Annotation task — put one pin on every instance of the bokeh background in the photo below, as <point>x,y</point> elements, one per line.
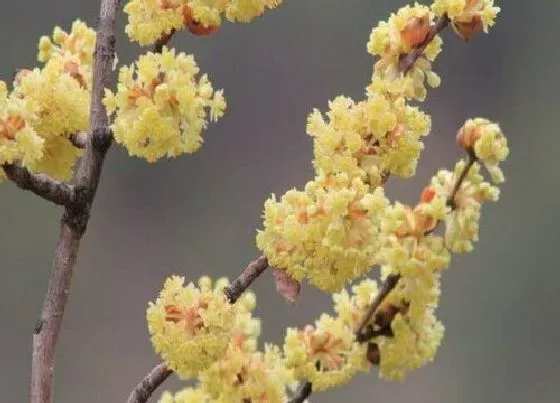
<point>198,214</point>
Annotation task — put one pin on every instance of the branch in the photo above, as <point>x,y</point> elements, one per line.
<point>241,283</point>
<point>161,42</point>
<point>75,217</point>
<point>364,332</point>
<point>406,61</point>
<point>462,176</point>
<point>41,184</point>
<point>457,186</point>
<point>388,285</point>
<point>144,390</point>
<point>303,392</point>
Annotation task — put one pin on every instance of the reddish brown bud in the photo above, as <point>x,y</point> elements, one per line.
<point>200,30</point>
<point>469,29</point>
<point>467,135</point>
<point>196,27</point>
<point>428,194</point>
<point>415,31</point>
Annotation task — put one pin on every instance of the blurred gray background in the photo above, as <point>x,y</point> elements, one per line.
<point>198,214</point>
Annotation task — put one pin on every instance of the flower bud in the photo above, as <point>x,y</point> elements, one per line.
<point>469,29</point>
<point>415,31</point>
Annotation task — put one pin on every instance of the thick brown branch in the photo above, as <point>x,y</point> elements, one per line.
<point>75,217</point>
<point>144,390</point>
<point>42,185</point>
<point>303,392</point>
<point>407,60</point>
<point>241,283</point>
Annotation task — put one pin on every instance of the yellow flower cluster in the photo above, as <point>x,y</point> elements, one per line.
<point>469,17</point>
<point>161,107</point>
<point>390,40</point>
<point>199,334</point>
<point>327,233</point>
<point>60,91</point>
<point>486,140</point>
<point>248,375</point>
<point>49,104</point>
<point>327,354</point>
<point>190,327</point>
<point>370,139</point>
<point>412,251</point>
<point>150,20</point>
<point>461,224</point>
<point>341,224</point>
<point>363,142</point>
<point>351,308</point>
<point>413,343</point>
<point>18,140</point>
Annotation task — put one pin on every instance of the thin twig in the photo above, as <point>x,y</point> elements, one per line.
<point>388,285</point>
<point>163,41</point>
<point>456,187</point>
<point>41,184</point>
<point>75,217</point>
<point>370,332</point>
<point>241,283</point>
<point>406,61</point>
<point>303,392</point>
<point>144,390</point>
<point>462,176</point>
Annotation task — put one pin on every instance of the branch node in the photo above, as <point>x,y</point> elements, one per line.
<point>38,326</point>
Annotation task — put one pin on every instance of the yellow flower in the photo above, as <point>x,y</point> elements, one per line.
<point>401,34</point>
<point>461,225</point>
<point>18,140</point>
<point>149,20</point>
<point>160,106</point>
<point>370,139</point>
<point>59,158</point>
<point>488,143</point>
<point>245,375</point>
<point>412,333</point>
<point>410,346</point>
<point>187,395</point>
<point>72,52</point>
<point>351,308</point>
<point>409,248</point>
<point>59,100</point>
<point>468,17</point>
<point>190,328</point>
<point>326,355</point>
<point>327,233</point>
